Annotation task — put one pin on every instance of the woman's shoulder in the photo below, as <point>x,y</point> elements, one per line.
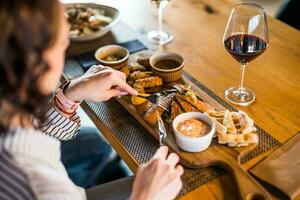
<point>32,160</point>
<point>14,183</point>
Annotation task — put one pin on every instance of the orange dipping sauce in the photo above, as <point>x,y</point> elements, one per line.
<point>193,128</point>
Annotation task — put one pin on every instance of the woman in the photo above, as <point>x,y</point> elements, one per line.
<point>33,40</point>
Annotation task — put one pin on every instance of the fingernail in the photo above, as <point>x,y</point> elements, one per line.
<point>123,93</point>
<point>136,93</point>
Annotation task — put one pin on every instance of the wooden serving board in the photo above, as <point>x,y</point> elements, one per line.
<point>217,154</point>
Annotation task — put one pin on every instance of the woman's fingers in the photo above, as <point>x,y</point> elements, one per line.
<point>161,153</point>
<point>160,177</point>
<point>179,170</point>
<point>114,93</point>
<point>123,86</point>
<point>172,159</point>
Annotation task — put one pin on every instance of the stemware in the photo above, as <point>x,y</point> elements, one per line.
<point>159,36</point>
<point>246,37</point>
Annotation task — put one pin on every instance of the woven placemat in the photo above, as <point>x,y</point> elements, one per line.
<point>138,142</point>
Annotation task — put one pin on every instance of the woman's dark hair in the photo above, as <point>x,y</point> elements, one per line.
<point>27,29</point>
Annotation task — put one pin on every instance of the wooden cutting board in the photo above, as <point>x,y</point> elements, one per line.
<point>218,155</point>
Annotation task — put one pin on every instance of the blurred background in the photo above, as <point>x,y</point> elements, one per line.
<point>284,10</point>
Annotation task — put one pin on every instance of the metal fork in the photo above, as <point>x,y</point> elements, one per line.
<point>154,96</point>
<point>161,130</point>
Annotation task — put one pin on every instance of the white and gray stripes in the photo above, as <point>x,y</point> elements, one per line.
<point>60,126</point>
<point>29,141</point>
<point>14,184</point>
<point>30,166</point>
<point>36,157</point>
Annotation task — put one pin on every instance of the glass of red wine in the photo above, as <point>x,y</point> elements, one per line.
<point>246,37</point>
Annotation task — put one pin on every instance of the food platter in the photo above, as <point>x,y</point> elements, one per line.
<point>89,21</point>
<point>235,129</point>
<point>218,154</point>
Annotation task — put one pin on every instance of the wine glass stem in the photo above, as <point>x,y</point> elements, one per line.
<point>242,78</point>
<point>160,20</point>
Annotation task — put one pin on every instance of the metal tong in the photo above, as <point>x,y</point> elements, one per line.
<point>161,130</point>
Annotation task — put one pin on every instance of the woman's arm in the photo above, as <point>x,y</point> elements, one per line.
<point>60,125</point>
<point>97,84</point>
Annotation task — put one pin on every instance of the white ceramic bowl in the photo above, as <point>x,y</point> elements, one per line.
<point>110,11</point>
<point>193,144</point>
<point>108,50</point>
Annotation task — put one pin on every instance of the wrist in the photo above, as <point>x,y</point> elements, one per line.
<point>65,104</point>
<point>71,93</point>
<point>138,195</point>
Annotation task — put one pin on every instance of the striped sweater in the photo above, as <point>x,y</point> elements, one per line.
<point>30,166</point>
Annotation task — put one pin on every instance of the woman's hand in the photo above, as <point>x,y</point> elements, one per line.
<point>98,84</point>
<point>159,178</point>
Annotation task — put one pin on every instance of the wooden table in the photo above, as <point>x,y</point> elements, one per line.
<point>198,26</point>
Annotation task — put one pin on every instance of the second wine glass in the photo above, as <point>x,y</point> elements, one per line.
<point>246,37</point>
<point>159,36</point>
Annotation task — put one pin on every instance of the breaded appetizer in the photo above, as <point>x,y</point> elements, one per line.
<point>125,70</point>
<point>175,109</point>
<point>235,129</point>
<point>139,75</point>
<point>150,82</point>
<point>137,67</point>
<point>145,62</point>
<point>131,83</point>
<point>139,88</point>
<point>198,104</point>
<point>185,105</point>
<point>151,116</point>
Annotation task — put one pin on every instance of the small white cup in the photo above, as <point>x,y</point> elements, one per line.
<point>193,144</point>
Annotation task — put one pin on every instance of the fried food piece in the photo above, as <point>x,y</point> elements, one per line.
<point>131,83</point>
<point>151,116</point>
<point>139,75</point>
<point>137,67</point>
<point>199,105</point>
<point>216,114</point>
<point>139,88</point>
<point>175,109</point>
<point>239,140</point>
<point>228,122</point>
<point>150,82</point>
<point>220,128</point>
<point>142,108</point>
<point>125,70</point>
<point>246,123</point>
<point>236,129</point>
<point>145,62</point>
<point>185,105</point>
<point>135,100</point>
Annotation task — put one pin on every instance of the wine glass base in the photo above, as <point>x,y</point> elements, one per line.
<point>243,97</point>
<point>161,38</point>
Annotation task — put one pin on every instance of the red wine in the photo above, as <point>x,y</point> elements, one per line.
<point>244,48</point>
